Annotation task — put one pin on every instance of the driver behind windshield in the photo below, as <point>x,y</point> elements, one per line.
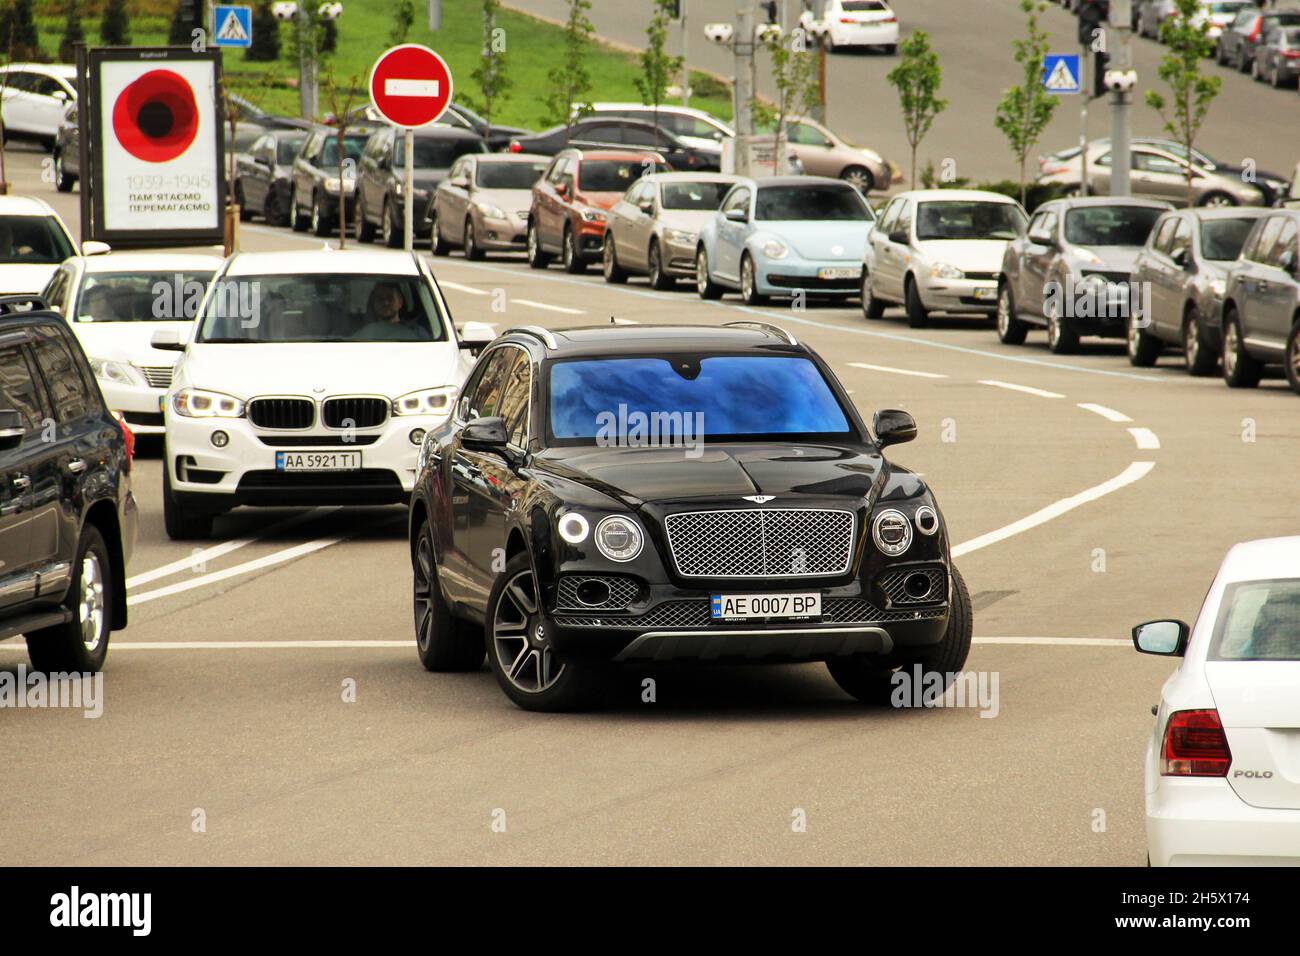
<point>387,316</point>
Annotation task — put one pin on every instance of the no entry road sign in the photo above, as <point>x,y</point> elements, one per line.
<point>410,85</point>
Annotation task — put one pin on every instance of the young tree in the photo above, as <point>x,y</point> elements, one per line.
<point>403,20</point>
<point>570,80</point>
<point>341,103</point>
<point>917,79</point>
<point>18,31</point>
<point>115,27</point>
<point>657,67</point>
<point>794,73</point>
<point>72,33</point>
<point>490,74</point>
<point>1025,109</point>
<point>1191,92</point>
<point>266,35</point>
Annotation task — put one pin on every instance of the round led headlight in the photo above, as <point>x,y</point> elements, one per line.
<point>619,538</point>
<point>574,528</point>
<point>892,532</point>
<point>926,519</point>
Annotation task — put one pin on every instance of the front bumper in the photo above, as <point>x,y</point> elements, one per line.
<point>503,235</point>
<point>678,258</point>
<point>1202,822</point>
<point>783,277</point>
<point>959,295</point>
<point>244,471</point>
<point>591,240</point>
<point>140,405</point>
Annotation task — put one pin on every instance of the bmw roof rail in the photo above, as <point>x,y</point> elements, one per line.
<point>766,327</point>
<point>537,332</point>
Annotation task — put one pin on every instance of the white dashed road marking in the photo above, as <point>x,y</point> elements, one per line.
<point>1104,412</point>
<point>443,283</point>
<point>896,371</point>
<point>1144,437</point>
<point>548,308</point>
<point>1027,389</point>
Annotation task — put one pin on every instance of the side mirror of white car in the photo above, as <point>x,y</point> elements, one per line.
<point>93,247</point>
<point>475,335</point>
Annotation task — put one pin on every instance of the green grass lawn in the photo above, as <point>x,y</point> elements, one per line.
<point>362,34</point>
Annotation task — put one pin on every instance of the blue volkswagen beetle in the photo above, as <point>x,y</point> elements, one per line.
<point>783,236</point>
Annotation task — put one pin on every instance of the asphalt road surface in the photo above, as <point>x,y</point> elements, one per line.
<point>973,38</point>
<point>1084,497</point>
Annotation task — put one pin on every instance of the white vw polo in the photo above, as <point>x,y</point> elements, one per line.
<point>311,378</point>
<point>1223,764</point>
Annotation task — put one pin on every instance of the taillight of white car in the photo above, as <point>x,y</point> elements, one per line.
<point>1195,745</point>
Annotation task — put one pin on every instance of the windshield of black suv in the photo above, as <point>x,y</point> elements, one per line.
<point>612,175</point>
<point>617,401</point>
<point>959,219</point>
<point>32,239</point>
<point>802,203</point>
<point>140,296</point>
<point>321,308</point>
<point>508,175</point>
<point>1222,239</point>
<point>353,146</point>
<point>1110,225</point>
<point>288,147</point>
<point>706,196</point>
<point>1259,621</point>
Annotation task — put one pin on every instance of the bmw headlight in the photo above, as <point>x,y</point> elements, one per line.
<point>892,532</point>
<point>619,538</point>
<point>123,373</point>
<point>680,237</point>
<point>427,401</point>
<point>491,211</point>
<point>941,270</point>
<point>593,215</point>
<point>775,249</point>
<point>200,403</point>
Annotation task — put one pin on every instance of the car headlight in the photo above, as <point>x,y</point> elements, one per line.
<point>775,249</point>
<point>926,520</point>
<point>680,237</point>
<point>427,401</point>
<point>574,527</point>
<point>1219,286</point>
<point>122,373</point>
<point>332,185</point>
<point>619,538</point>
<point>200,403</point>
<point>873,156</point>
<point>941,270</point>
<point>892,532</point>
<point>491,211</point>
<point>1083,255</point>
<point>593,215</point>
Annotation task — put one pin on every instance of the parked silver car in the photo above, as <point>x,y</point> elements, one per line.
<point>938,250</point>
<point>1156,174</point>
<point>1070,270</point>
<point>1261,307</point>
<point>1184,265</point>
<point>483,204</point>
<point>1277,58</point>
<point>655,228</point>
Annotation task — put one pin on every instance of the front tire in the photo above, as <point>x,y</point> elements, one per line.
<point>297,222</point>
<point>519,650</point>
<point>704,284</point>
<point>659,280</point>
<point>365,229</point>
<point>440,246</point>
<point>81,644</point>
<point>860,178</point>
<point>392,237</point>
<point>1143,347</point>
<point>1293,358</point>
<point>62,181</point>
<point>749,282</point>
<point>1240,369</point>
<point>917,316</point>
<point>613,272</point>
<point>1011,330</point>
<point>865,679</point>
<point>872,307</point>
<point>537,258</point>
<point>320,224</point>
<point>1200,355</point>
<point>442,642</point>
<point>570,258</point>
<point>473,252</point>
<point>1062,339</point>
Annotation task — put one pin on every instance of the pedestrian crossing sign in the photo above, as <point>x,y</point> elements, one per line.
<point>1062,72</point>
<point>233,26</point>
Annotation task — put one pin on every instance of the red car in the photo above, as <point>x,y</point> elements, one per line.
<point>569,203</point>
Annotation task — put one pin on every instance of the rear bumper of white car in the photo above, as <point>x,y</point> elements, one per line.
<point>1202,822</point>
<point>865,34</point>
<point>244,471</point>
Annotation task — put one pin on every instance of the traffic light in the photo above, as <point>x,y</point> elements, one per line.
<point>1093,16</point>
<point>1100,59</point>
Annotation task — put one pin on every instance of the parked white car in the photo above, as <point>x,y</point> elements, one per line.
<point>1223,762</point>
<point>33,241</point>
<point>939,250</point>
<point>35,96</point>
<point>311,379</point>
<point>114,305</point>
<point>856,23</point>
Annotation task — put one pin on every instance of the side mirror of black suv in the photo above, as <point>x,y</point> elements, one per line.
<point>893,427</point>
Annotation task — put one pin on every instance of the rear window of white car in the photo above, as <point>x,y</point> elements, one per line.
<point>1258,621</point>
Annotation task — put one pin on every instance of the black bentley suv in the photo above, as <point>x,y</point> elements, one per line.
<point>646,494</point>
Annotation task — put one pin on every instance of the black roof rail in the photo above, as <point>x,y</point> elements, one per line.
<point>764,326</point>
<point>537,332</point>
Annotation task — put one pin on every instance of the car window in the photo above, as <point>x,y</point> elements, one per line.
<point>962,219</point>
<point>64,377</point>
<point>515,396</point>
<point>684,125</point>
<point>141,296</point>
<point>1258,621</point>
<point>1110,225</point>
<point>601,133</point>
<point>810,203</point>
<point>1283,254</point>
<point>19,80</point>
<point>904,222</point>
<point>886,222</point>
<point>1263,244</point>
<point>485,399</point>
<point>507,175</point>
<point>1155,163</point>
<point>56,293</point>
<point>636,136</point>
<point>611,175</point>
<point>437,152</point>
<point>47,86</point>
<point>701,196</point>
<point>739,200</point>
<point>1182,239</point>
<point>32,239</point>
<point>328,154</point>
<point>1162,234</point>
<point>805,135</point>
<point>287,148</point>
<point>18,388</point>
<point>1222,239</point>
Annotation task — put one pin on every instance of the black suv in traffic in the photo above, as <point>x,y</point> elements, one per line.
<point>67,515</point>
<point>649,494</point>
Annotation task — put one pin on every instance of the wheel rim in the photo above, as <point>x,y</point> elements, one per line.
<point>654,265</point>
<point>469,239</point>
<point>315,214</point>
<point>423,596</point>
<point>1230,349</point>
<point>609,259</point>
<point>1132,336</point>
<point>702,272</point>
<point>1293,346</point>
<point>1004,313</point>
<point>388,225</point>
<point>532,242</point>
<point>1053,328</point>
<point>519,637</point>
<point>747,280</point>
<point>1216,201</point>
<point>293,210</point>
<point>91,610</point>
<point>1191,340</point>
<point>569,251</point>
<point>360,223</point>
<point>859,180</point>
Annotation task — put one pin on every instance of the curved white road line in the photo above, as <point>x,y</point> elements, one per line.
<point>1134,472</point>
<point>1108,413</point>
<point>1145,438</point>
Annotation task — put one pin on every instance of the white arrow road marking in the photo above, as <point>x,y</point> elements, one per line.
<point>896,371</point>
<point>397,87</point>
<point>1134,472</point>
<point>1104,412</point>
<point>1144,437</point>
<point>1027,389</point>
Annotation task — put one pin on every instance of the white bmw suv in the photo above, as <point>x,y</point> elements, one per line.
<point>311,378</point>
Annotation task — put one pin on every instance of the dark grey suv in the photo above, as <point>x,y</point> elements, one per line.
<point>1261,307</point>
